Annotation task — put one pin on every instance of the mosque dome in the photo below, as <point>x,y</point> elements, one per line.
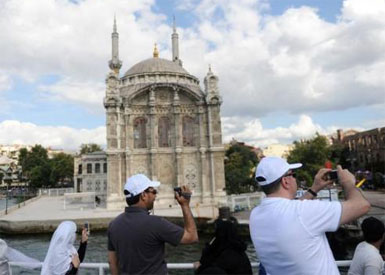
<point>156,65</point>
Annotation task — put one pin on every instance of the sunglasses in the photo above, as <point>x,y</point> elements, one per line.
<point>153,191</point>
<point>293,174</point>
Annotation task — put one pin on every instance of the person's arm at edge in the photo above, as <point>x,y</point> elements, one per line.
<point>190,234</point>
<point>113,262</point>
<point>355,204</point>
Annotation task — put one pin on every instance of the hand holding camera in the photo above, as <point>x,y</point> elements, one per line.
<point>182,194</point>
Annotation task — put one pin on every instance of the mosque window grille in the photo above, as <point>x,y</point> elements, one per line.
<point>188,131</point>
<point>140,132</point>
<point>164,132</point>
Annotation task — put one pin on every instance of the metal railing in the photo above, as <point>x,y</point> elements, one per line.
<point>102,266</point>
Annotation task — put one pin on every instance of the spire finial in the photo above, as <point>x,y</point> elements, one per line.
<point>210,69</point>
<point>115,28</point>
<point>156,52</point>
<point>173,24</point>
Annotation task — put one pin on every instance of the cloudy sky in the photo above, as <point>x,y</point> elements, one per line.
<point>287,68</point>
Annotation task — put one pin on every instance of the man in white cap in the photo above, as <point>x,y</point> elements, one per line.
<point>136,239</point>
<point>289,235</point>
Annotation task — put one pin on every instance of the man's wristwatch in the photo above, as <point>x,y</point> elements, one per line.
<point>312,192</point>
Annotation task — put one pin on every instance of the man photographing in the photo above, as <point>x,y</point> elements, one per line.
<point>289,235</point>
<point>136,239</point>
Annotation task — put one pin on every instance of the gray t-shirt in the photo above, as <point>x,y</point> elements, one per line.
<point>138,240</point>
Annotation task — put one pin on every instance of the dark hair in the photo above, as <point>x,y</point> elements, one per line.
<point>133,200</point>
<point>226,234</point>
<point>373,229</point>
<point>271,187</point>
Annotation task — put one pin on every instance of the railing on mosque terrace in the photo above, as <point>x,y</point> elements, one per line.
<point>102,267</point>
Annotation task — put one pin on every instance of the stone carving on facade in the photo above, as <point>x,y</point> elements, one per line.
<point>191,177</point>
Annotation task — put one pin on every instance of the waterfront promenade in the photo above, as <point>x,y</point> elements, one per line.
<point>45,213</point>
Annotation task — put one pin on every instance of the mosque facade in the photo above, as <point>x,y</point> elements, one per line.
<point>162,124</point>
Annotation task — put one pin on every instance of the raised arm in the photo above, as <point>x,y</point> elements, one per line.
<point>355,204</point>
<point>190,234</point>
<point>318,184</point>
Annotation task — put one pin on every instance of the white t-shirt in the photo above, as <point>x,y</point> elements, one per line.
<point>366,260</point>
<point>289,235</point>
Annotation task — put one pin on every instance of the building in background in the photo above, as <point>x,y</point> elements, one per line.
<point>161,123</point>
<point>278,150</point>
<point>366,150</point>
<point>90,173</point>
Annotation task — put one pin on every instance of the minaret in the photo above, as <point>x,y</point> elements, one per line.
<point>175,45</point>
<point>115,64</point>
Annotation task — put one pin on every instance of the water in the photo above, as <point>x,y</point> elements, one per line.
<point>36,246</point>
<point>10,203</point>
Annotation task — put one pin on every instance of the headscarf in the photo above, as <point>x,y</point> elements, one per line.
<point>61,249</point>
<point>8,254</point>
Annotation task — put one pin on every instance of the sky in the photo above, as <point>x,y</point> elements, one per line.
<point>287,68</point>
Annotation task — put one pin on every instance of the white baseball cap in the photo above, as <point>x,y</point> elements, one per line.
<point>270,169</point>
<point>136,184</point>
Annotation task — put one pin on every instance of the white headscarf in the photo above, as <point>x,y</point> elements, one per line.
<point>61,249</point>
<point>8,254</point>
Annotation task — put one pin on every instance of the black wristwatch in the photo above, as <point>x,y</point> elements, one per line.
<point>312,192</point>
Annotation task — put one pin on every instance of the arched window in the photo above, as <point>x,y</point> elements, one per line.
<point>164,132</point>
<point>140,135</point>
<point>188,131</point>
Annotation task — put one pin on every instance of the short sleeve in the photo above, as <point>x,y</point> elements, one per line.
<point>320,216</point>
<point>168,232</point>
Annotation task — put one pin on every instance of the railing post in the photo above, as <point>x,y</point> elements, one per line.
<point>101,270</point>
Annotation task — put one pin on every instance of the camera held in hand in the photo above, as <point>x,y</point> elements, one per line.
<point>332,175</point>
<point>180,193</point>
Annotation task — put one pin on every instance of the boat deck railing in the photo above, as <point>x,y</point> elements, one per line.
<point>101,267</point>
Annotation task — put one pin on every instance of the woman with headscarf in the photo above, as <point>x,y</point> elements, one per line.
<point>225,254</point>
<point>8,254</point>
<point>62,257</point>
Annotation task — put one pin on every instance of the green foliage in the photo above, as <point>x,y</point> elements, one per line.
<point>312,154</point>
<point>240,163</point>
<point>43,172</point>
<point>62,168</point>
<point>89,148</point>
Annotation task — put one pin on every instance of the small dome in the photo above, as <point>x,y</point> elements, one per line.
<point>156,65</point>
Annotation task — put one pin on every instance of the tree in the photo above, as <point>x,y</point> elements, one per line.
<point>89,148</point>
<point>240,163</point>
<point>35,165</point>
<point>62,168</point>
<point>312,154</point>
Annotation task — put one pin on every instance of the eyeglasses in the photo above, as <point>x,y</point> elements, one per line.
<point>292,174</point>
<point>153,191</point>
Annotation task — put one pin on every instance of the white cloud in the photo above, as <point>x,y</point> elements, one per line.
<point>88,94</point>
<point>16,132</point>
<point>252,131</point>
<point>292,63</point>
